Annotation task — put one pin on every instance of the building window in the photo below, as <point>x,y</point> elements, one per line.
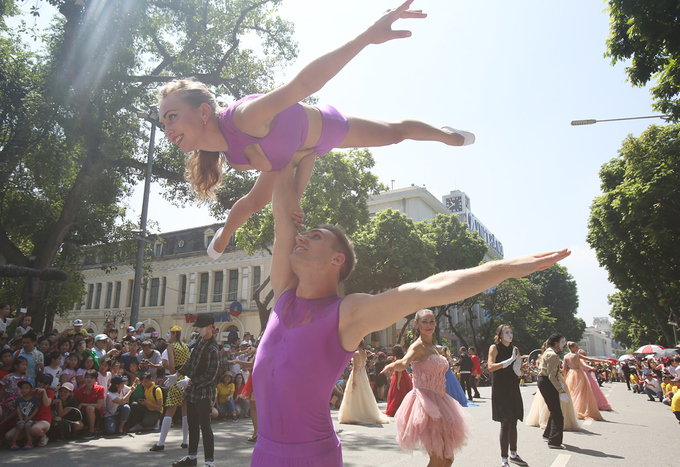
<point>90,294</point>
<point>98,299</point>
<point>217,287</point>
<point>203,293</point>
<point>109,292</point>
<point>155,285</point>
<point>129,300</point>
<point>256,278</point>
<point>233,285</point>
<point>143,297</point>
<point>159,249</point>
<point>208,235</point>
<point>183,294</point>
<point>165,284</point>
<point>116,301</point>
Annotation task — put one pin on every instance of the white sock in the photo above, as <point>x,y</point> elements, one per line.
<point>469,137</point>
<point>504,459</point>
<point>185,430</point>
<point>192,457</point>
<point>165,428</point>
<point>513,453</point>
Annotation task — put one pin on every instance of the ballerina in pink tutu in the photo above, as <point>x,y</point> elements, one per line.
<point>602,401</point>
<point>428,418</point>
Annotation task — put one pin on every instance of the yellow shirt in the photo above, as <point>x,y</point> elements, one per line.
<point>223,392</point>
<point>158,399</point>
<point>675,402</point>
<point>633,379</point>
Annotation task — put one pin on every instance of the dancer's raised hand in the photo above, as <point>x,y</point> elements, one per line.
<point>381,31</point>
<point>525,265</point>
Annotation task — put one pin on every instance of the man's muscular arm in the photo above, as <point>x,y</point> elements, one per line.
<point>284,203</point>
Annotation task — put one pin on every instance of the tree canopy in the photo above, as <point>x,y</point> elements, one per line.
<point>648,33</point>
<point>71,145</point>
<point>634,227</point>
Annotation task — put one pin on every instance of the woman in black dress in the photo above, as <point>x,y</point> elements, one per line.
<point>506,401</point>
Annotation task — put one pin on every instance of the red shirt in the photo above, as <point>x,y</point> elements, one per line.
<point>96,394</point>
<point>44,411</point>
<point>476,369</point>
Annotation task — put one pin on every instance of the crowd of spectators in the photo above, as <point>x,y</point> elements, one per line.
<point>65,385</point>
<point>656,378</point>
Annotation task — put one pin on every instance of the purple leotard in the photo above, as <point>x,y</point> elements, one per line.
<point>295,426</point>
<point>287,134</point>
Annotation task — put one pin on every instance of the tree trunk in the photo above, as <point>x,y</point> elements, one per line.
<point>262,305</point>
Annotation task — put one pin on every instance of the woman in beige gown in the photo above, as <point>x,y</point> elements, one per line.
<point>358,404</point>
<point>539,413</point>
<point>585,403</point>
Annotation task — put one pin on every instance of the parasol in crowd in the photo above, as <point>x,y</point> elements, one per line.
<point>647,349</point>
<point>667,352</point>
<point>623,358</point>
<point>612,361</point>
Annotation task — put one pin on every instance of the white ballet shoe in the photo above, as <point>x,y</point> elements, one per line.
<point>468,137</point>
<point>211,248</point>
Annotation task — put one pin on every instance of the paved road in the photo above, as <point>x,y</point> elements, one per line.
<point>636,433</point>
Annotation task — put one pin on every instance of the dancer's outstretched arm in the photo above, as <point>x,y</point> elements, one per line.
<point>364,313</point>
<point>254,117</point>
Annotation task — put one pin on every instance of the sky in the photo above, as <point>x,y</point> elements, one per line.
<point>515,74</point>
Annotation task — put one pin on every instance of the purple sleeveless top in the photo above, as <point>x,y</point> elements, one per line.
<point>287,134</point>
<point>299,361</point>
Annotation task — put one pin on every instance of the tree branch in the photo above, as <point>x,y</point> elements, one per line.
<point>159,172</point>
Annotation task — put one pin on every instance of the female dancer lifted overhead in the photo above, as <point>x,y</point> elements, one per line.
<point>266,132</point>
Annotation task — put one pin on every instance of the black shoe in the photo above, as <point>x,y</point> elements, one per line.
<point>553,446</point>
<point>517,460</point>
<point>184,461</point>
<point>156,447</point>
<point>184,446</point>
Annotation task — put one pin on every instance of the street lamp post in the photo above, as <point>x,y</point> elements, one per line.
<point>592,121</point>
<point>152,117</point>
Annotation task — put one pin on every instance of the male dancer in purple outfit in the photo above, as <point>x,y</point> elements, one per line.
<point>312,327</point>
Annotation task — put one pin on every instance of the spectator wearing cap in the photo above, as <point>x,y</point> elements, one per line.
<point>151,358</point>
<point>117,407</point>
<point>90,399</point>
<point>130,335</point>
<point>78,328</point>
<point>146,412</point>
<point>99,349</point>
<point>26,406</point>
<point>67,418</point>
<point>153,337</point>
<point>201,372</point>
<point>34,357</point>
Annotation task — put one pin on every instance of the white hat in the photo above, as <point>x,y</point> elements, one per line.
<point>100,337</point>
<point>77,322</point>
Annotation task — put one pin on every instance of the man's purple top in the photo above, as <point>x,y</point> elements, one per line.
<point>298,362</point>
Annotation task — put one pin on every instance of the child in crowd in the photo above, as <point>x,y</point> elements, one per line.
<point>68,373</point>
<point>138,392</point>
<point>24,326</point>
<point>5,362</point>
<point>9,387</point>
<point>104,375</point>
<point>26,407</point>
<point>53,369</point>
<point>88,364</point>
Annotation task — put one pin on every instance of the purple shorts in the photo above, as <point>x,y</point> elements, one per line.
<point>323,453</point>
<point>334,128</point>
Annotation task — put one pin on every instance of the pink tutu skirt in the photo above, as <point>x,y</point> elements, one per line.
<point>436,424</point>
